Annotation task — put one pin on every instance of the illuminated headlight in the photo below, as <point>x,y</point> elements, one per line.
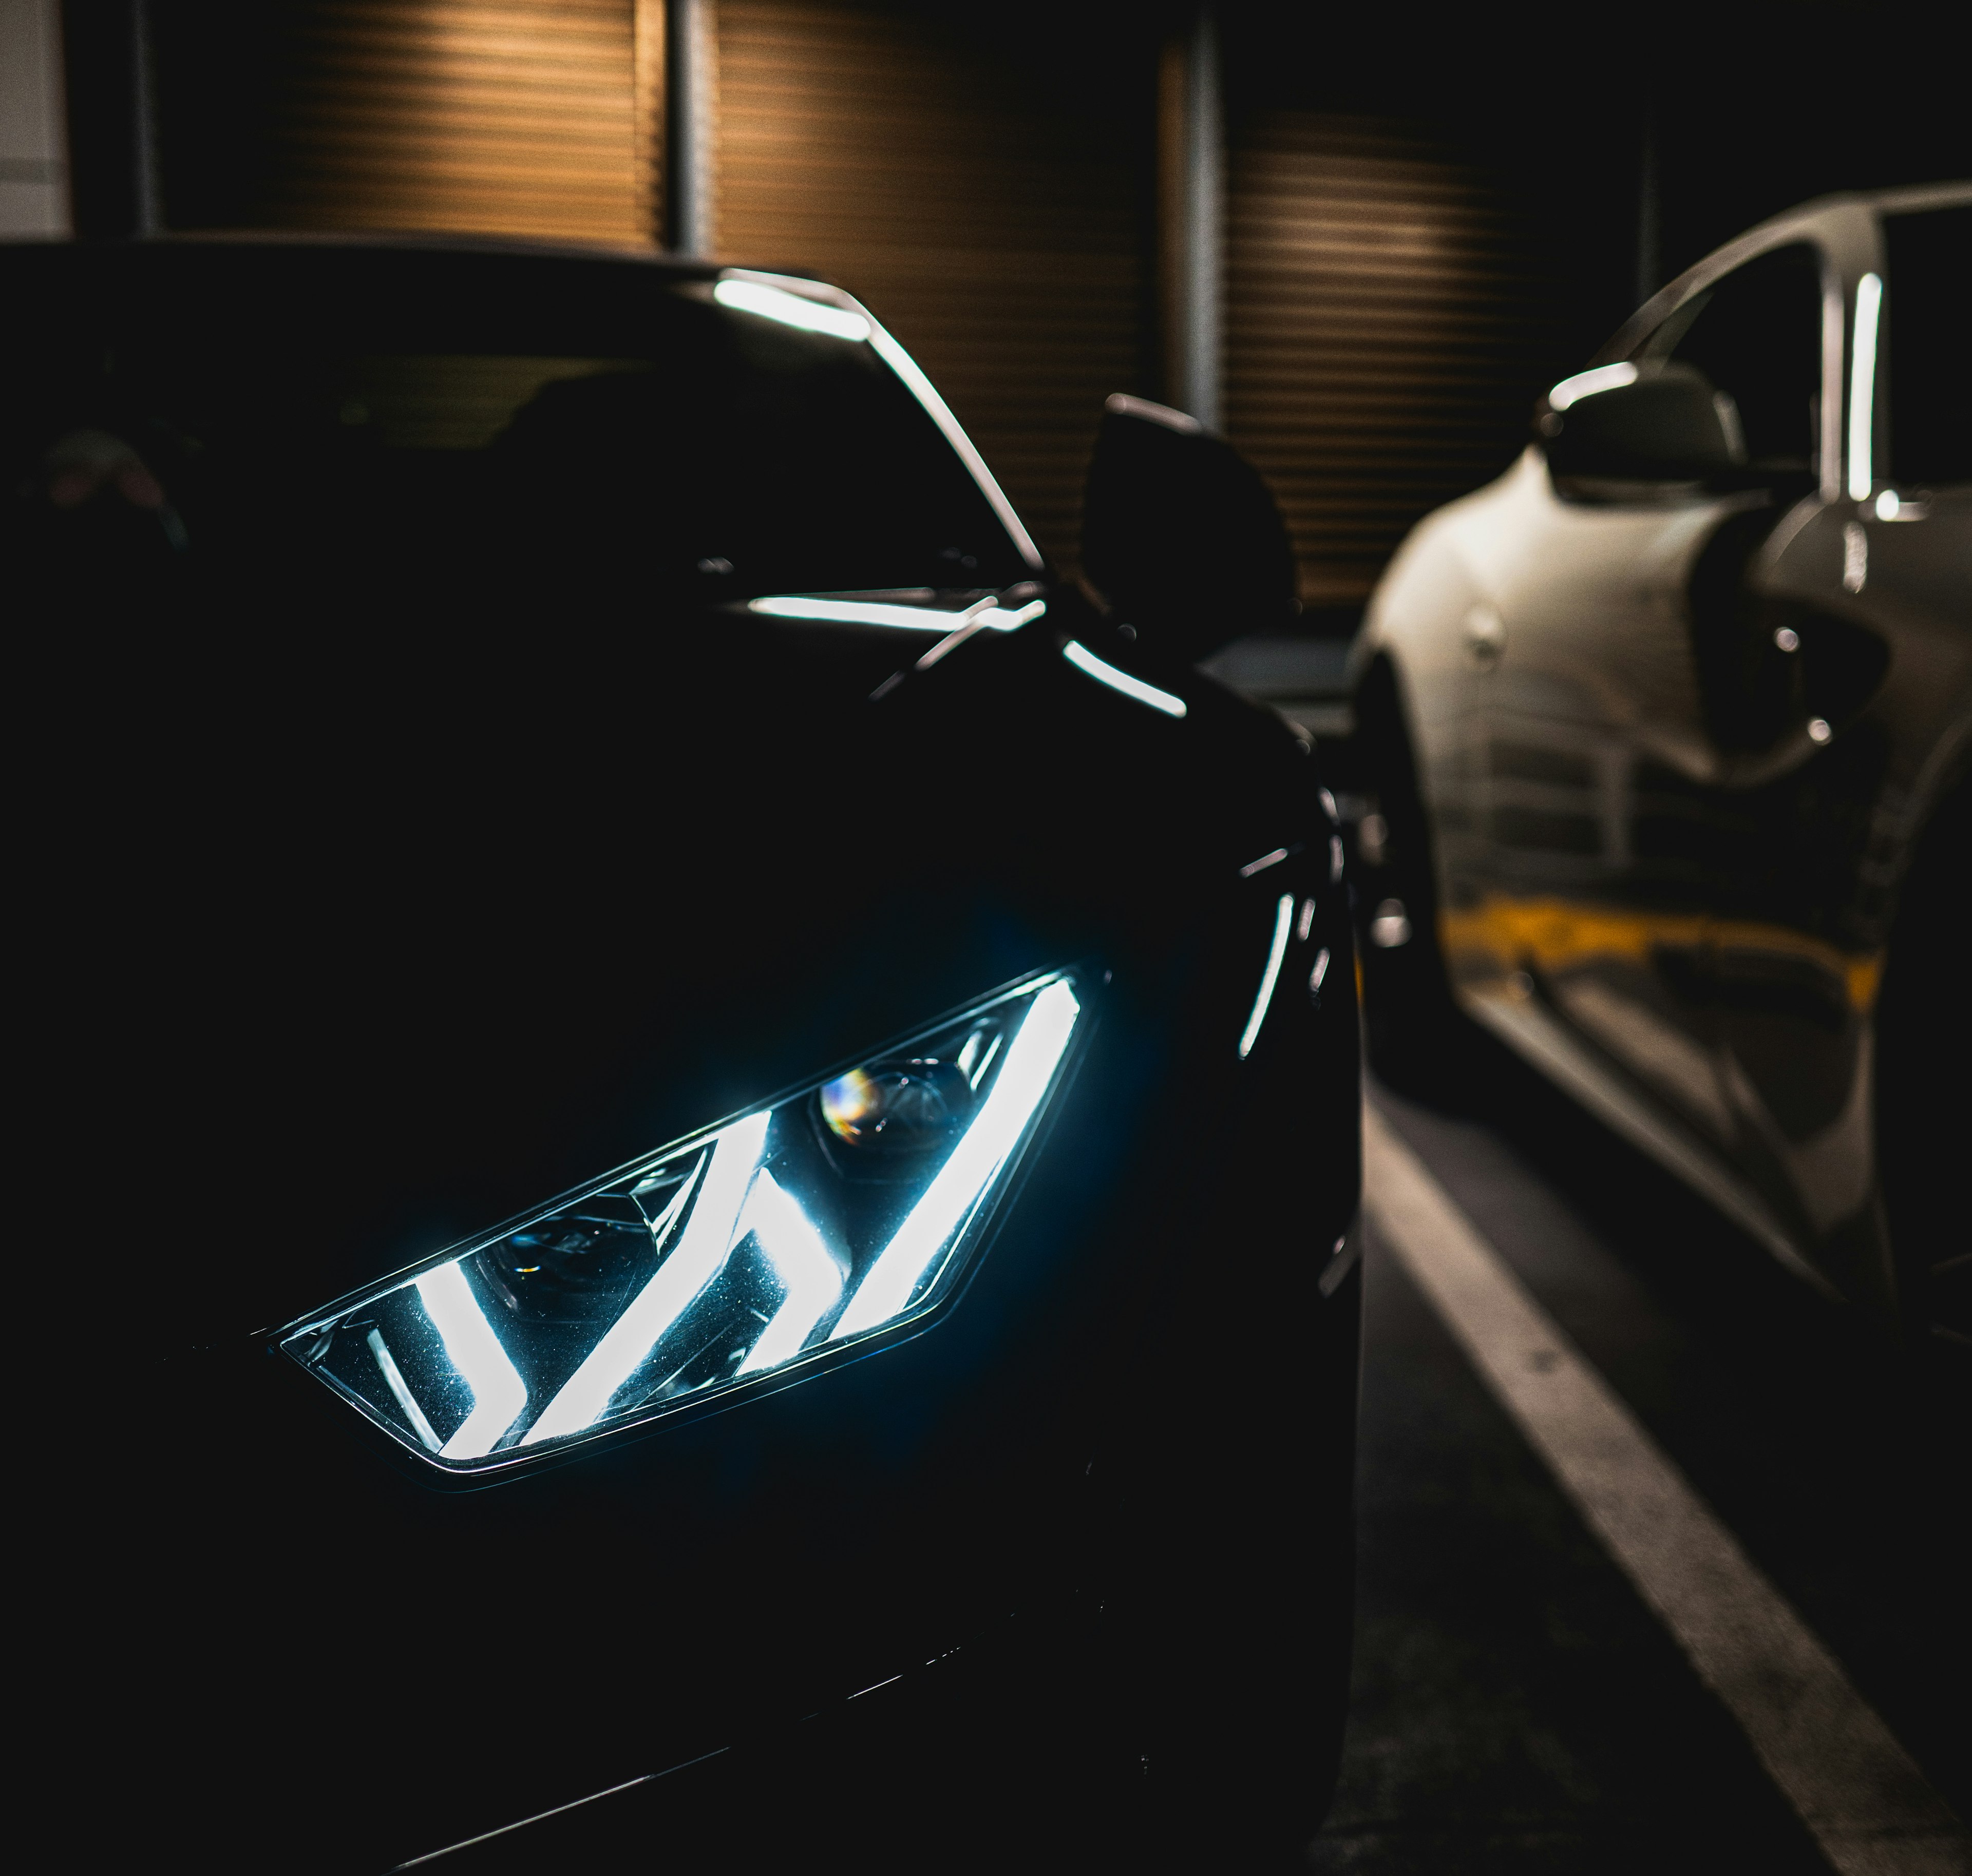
<point>742,1257</point>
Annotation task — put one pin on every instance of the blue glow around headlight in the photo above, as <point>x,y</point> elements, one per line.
<point>785,1237</point>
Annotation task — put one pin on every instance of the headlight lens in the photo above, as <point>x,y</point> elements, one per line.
<point>761,1248</point>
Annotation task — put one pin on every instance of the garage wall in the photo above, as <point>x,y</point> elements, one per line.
<point>34,167</point>
<point>999,231</point>
<point>985,179</point>
<point>1382,299</point>
<point>995,210</point>
<point>514,119</point>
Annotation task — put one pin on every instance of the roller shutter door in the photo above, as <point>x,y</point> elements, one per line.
<point>994,214</point>
<point>1381,300</point>
<point>506,117</point>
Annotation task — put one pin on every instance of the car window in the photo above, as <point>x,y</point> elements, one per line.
<point>1756,335</point>
<point>410,430</point>
<point>1927,311</point>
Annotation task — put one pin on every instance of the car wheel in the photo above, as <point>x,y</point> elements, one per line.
<point>1417,1036</point>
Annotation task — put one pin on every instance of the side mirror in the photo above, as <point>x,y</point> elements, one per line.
<point>1648,423</point>
<point>1180,535</point>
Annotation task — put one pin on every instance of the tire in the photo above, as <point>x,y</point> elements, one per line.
<point>1418,1039</point>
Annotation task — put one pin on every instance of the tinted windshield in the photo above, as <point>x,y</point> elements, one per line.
<point>284,427</point>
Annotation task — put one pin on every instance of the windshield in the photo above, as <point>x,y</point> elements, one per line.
<point>293,428</point>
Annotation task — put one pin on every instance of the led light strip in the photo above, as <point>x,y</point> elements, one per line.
<point>499,1394</point>
<point>1031,1059</point>
<point>812,1278</point>
<point>585,1395</point>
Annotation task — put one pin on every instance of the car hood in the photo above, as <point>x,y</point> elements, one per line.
<point>357,947</point>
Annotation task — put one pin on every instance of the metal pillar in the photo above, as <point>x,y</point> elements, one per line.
<point>1191,184</point>
<point>114,183</point>
<point>691,98</point>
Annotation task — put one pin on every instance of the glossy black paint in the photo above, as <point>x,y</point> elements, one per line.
<point>368,928</point>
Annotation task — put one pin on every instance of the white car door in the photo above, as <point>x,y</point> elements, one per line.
<point>1607,728</point>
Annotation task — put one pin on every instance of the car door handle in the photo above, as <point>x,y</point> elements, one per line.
<point>1485,636</point>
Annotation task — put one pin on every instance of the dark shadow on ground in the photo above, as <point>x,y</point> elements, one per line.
<point>1515,1706</point>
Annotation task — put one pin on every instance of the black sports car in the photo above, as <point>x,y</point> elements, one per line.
<point>727,1113</point>
<point>1665,737</point>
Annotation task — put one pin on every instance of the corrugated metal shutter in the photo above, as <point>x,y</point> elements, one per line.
<point>528,117</point>
<point>1000,235</point>
<point>1381,300</point>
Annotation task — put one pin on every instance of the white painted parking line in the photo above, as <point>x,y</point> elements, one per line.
<point>1854,1787</point>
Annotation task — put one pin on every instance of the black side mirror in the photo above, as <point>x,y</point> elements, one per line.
<point>1180,535</point>
<point>1660,423</point>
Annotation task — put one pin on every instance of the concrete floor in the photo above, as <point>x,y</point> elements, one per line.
<point>1516,1705</point>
